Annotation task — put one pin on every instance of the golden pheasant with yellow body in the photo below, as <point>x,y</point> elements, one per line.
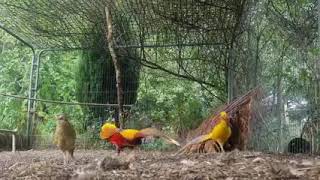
<point>220,133</point>
<point>130,137</point>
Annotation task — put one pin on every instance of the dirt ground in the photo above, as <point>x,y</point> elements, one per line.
<point>104,164</point>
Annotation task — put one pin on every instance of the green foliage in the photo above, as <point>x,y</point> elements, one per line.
<point>15,61</point>
<point>169,102</point>
<point>157,144</point>
<point>276,46</point>
<point>96,78</point>
<point>57,82</point>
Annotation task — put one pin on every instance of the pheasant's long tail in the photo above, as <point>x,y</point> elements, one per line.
<point>156,133</point>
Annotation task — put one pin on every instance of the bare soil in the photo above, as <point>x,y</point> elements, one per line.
<point>105,164</point>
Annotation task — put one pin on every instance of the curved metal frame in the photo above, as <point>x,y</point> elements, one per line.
<point>33,82</point>
<point>33,79</point>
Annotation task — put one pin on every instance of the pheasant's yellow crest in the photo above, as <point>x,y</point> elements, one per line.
<point>224,115</point>
<point>107,130</point>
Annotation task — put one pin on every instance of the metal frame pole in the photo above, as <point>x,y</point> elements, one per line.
<point>33,87</point>
<point>34,59</point>
<point>30,103</point>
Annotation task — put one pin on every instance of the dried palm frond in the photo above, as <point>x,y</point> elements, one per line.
<point>240,114</point>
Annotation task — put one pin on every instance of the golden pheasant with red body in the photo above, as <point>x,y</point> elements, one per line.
<point>130,137</point>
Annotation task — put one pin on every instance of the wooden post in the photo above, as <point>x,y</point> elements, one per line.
<point>117,67</point>
<point>13,133</point>
<point>13,142</point>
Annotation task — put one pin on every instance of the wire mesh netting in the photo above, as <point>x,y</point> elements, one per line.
<point>191,53</point>
<point>147,23</point>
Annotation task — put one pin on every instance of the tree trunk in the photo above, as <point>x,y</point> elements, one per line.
<point>230,76</point>
<point>117,67</point>
<point>317,83</point>
<point>279,88</point>
<point>317,69</point>
<point>279,105</point>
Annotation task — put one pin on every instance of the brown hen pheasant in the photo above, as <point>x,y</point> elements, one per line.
<point>65,137</point>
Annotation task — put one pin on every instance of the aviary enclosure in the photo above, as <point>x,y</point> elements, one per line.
<point>181,62</point>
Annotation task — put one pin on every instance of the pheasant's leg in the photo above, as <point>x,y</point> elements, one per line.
<point>221,146</point>
<point>64,158</point>
<point>118,150</point>
<point>71,160</point>
<point>69,157</point>
<point>137,149</point>
<point>71,154</point>
<point>216,146</point>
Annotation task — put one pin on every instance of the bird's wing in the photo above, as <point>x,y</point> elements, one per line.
<point>70,131</point>
<point>129,134</point>
<point>156,133</point>
<point>119,140</point>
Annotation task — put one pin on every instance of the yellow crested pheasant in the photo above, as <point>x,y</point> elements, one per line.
<point>130,137</point>
<point>220,133</point>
